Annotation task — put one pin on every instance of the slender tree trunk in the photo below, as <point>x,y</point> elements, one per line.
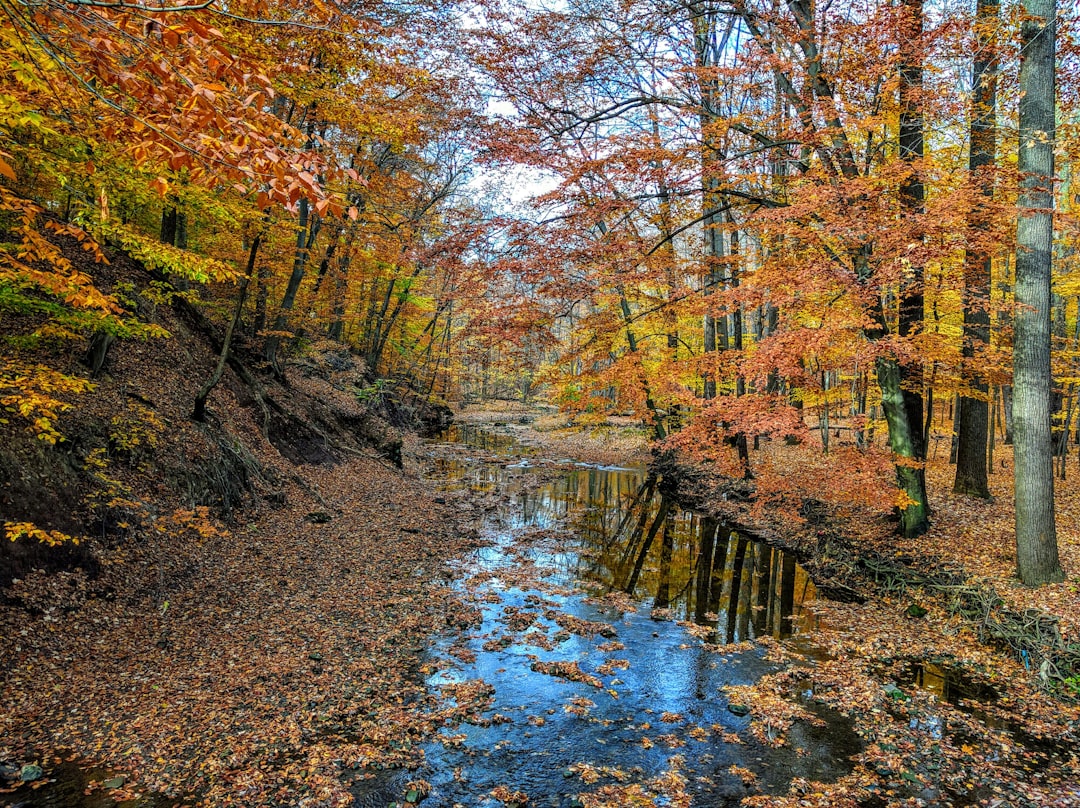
<point>305,238</point>
<point>1036,534</point>
<point>971,454</point>
<point>199,411</point>
<point>991,437</point>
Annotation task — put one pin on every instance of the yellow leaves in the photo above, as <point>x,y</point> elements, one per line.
<point>27,530</point>
<point>31,393</point>
<point>167,258</point>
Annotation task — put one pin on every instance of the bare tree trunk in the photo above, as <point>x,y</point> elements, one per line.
<point>199,411</point>
<point>1036,532</point>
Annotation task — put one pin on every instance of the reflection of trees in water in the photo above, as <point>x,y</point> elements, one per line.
<point>641,542</point>
<point>634,538</point>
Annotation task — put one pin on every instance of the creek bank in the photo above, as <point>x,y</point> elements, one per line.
<point>891,612</point>
<point>234,578</point>
<point>288,655</point>
<point>849,569</point>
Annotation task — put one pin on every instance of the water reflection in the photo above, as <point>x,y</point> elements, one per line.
<point>645,693</point>
<point>629,536</point>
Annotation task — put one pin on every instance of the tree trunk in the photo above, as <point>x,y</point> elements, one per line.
<point>913,517</point>
<point>168,224</point>
<point>199,411</point>
<point>912,196</point>
<point>1036,534</point>
<point>305,239</point>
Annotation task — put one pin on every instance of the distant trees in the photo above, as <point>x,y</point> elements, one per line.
<point>732,163</point>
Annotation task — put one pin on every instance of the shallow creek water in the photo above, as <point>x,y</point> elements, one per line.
<point>641,687</point>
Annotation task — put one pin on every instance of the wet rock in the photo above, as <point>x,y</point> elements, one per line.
<point>31,772</point>
<point>739,709</point>
<point>114,782</point>
<point>893,692</point>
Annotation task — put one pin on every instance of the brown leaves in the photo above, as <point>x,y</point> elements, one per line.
<point>570,671</point>
<point>290,656</point>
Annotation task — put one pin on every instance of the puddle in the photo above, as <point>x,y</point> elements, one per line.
<point>948,683</point>
<point>622,682</point>
<point>68,785</point>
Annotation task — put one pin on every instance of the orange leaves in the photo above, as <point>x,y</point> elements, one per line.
<point>5,167</point>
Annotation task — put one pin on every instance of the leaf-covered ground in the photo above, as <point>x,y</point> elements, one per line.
<point>268,662</point>
<point>281,664</point>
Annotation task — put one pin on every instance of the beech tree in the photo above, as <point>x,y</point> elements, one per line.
<point>973,418</point>
<point>1036,533</point>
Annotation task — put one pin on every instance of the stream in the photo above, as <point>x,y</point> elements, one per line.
<point>609,622</point>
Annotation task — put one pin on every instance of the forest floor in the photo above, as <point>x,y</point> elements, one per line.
<point>260,668</point>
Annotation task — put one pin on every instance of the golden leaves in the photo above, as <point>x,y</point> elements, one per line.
<point>19,530</point>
